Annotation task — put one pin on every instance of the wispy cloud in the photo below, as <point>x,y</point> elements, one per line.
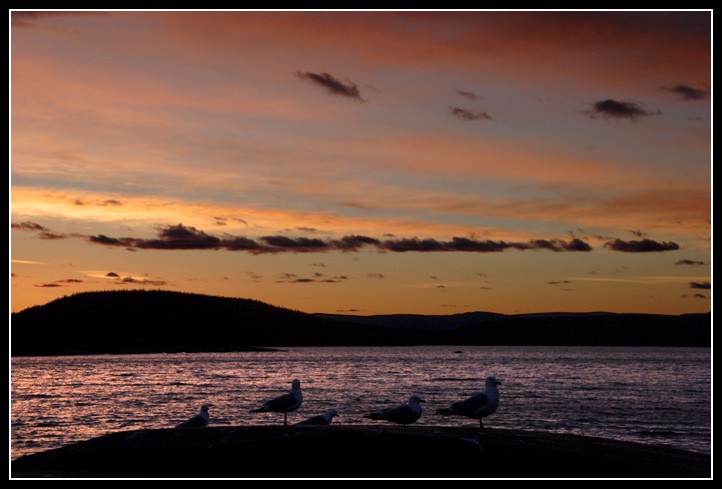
<point>319,278</point>
<point>471,96</point>
<point>616,109</point>
<point>51,236</point>
<point>30,18</point>
<point>331,84</point>
<point>468,114</point>
<point>29,262</point>
<point>28,226</point>
<point>641,246</point>
<point>700,285</point>
<point>689,262</point>
<point>615,280</point>
<point>110,202</point>
<point>685,92</point>
<point>142,281</point>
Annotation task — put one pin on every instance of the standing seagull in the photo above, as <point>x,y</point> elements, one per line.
<point>403,414</point>
<point>284,404</point>
<point>320,420</point>
<point>199,420</point>
<point>477,406</point>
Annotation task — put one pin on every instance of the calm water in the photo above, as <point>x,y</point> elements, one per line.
<point>648,395</point>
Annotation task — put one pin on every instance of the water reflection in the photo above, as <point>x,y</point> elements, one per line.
<point>621,393</point>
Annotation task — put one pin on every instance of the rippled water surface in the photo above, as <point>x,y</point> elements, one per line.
<point>647,395</point>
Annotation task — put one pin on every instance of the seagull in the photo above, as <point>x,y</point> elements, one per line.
<point>403,414</point>
<point>477,406</point>
<point>284,404</point>
<point>199,420</point>
<point>320,420</point>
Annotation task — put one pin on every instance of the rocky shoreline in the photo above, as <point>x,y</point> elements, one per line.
<point>358,452</point>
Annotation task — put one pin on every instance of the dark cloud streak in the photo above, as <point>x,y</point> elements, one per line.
<point>471,96</point>
<point>145,281</point>
<point>685,92</point>
<point>332,85</point>
<point>700,285</point>
<point>641,246</point>
<point>28,226</point>
<point>180,237</point>
<point>468,114</point>
<point>51,236</point>
<point>616,109</point>
<point>30,18</point>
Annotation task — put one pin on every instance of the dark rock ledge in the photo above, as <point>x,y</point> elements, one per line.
<point>358,452</point>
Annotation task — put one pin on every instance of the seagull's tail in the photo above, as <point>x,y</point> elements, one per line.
<point>374,416</point>
<point>259,410</point>
<point>445,412</point>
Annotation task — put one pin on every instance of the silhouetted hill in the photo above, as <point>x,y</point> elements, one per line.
<point>161,321</point>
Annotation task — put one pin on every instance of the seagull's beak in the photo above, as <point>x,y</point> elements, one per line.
<point>422,400</point>
<point>498,383</point>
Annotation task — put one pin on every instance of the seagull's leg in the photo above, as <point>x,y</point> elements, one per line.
<point>481,425</point>
<point>285,419</point>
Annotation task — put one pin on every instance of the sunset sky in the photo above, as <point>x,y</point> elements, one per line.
<point>365,162</point>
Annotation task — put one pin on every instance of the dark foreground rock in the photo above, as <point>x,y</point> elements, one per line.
<point>358,452</point>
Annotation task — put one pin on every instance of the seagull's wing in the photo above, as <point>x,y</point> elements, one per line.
<point>281,403</point>
<point>469,406</point>
<point>399,414</point>
<point>196,421</point>
<point>314,420</point>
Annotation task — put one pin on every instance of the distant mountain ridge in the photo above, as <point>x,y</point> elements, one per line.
<point>163,321</point>
<point>451,322</point>
<point>416,321</point>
